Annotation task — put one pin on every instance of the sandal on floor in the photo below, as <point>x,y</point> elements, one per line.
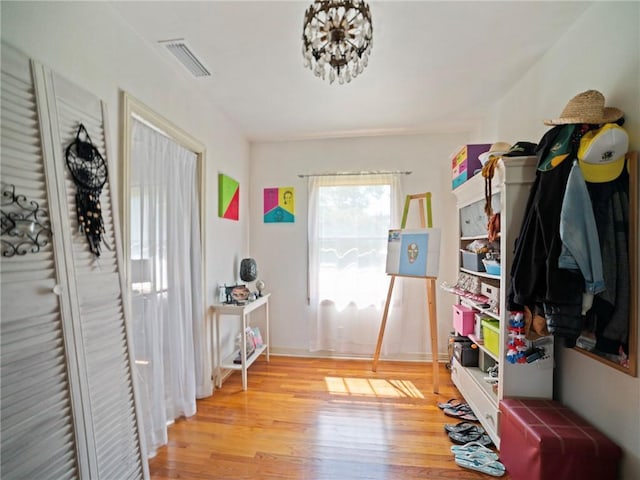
<point>485,440</point>
<point>470,417</point>
<point>490,467</point>
<point>463,412</point>
<point>462,427</point>
<point>451,403</point>
<point>474,449</point>
<point>467,436</point>
<point>455,408</point>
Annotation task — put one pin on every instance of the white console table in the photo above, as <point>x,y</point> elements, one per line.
<point>242,312</point>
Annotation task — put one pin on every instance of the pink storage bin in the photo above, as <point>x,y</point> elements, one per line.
<point>463,319</point>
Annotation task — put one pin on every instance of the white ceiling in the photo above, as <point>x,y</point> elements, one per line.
<point>435,66</point>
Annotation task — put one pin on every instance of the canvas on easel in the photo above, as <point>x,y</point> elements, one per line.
<point>413,252</point>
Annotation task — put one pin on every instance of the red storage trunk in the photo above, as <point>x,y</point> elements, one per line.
<point>542,439</point>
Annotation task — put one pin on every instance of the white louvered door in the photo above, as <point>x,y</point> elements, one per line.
<point>98,293</point>
<point>38,435</point>
<point>96,414</point>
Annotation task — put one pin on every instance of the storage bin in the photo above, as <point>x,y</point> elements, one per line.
<point>453,338</point>
<point>490,291</point>
<point>465,162</point>
<point>491,334</point>
<point>491,266</point>
<point>463,319</point>
<point>543,439</point>
<point>472,261</point>
<point>466,353</point>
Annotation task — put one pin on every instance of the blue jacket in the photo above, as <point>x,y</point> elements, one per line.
<point>579,233</point>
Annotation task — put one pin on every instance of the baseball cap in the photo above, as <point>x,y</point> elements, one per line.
<point>601,154</point>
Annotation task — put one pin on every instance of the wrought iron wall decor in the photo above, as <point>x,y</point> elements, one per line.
<point>89,172</point>
<point>25,226</point>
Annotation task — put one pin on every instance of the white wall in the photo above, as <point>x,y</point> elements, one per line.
<point>600,51</point>
<point>281,249</point>
<point>90,44</point>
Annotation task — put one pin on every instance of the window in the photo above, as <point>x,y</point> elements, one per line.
<point>353,221</point>
<point>163,192</point>
<point>349,220</point>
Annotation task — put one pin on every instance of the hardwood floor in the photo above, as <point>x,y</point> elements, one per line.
<point>317,419</point>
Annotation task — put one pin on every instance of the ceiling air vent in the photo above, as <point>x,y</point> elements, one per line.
<point>183,53</point>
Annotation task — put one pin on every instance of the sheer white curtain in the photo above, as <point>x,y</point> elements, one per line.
<point>167,301</point>
<point>349,218</point>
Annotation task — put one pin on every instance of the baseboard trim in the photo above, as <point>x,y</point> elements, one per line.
<point>403,357</point>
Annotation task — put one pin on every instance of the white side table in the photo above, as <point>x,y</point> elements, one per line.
<point>242,312</point>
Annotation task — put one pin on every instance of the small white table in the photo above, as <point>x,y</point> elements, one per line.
<point>242,312</point>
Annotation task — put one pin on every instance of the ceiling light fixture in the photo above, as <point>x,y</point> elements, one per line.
<point>337,36</point>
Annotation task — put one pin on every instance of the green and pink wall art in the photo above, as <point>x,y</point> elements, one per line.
<point>228,197</point>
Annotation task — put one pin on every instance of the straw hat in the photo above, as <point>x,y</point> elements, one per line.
<point>587,107</point>
<point>497,150</point>
<point>602,153</point>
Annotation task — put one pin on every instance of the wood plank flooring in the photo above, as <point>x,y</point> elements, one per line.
<point>317,419</point>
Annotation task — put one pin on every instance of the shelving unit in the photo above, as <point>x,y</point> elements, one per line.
<point>510,187</point>
<point>242,312</point>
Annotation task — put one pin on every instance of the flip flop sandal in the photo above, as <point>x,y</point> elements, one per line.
<point>461,406</point>
<point>462,427</point>
<point>471,436</point>
<point>462,438</point>
<point>469,417</point>
<point>451,403</point>
<point>463,413</point>
<point>493,467</point>
<point>485,440</point>
<point>474,449</point>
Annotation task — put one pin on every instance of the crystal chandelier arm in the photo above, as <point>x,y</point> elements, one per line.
<point>356,47</point>
<point>355,15</point>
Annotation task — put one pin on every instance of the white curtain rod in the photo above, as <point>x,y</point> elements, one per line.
<point>332,174</point>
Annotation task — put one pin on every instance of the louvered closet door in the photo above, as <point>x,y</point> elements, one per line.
<point>38,440</point>
<point>68,402</point>
<point>96,293</point>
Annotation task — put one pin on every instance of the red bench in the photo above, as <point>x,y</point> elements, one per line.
<point>542,439</point>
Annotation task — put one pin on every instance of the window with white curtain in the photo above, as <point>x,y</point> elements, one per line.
<point>166,280</point>
<point>349,220</point>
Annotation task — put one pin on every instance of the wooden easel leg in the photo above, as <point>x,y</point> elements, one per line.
<point>433,331</point>
<point>383,324</point>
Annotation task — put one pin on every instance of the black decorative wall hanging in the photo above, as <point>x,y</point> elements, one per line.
<point>25,226</point>
<point>89,172</point>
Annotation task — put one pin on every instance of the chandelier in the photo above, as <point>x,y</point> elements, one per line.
<point>337,36</point>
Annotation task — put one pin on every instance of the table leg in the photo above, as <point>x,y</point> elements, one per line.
<point>266,306</point>
<point>218,356</point>
<point>243,352</point>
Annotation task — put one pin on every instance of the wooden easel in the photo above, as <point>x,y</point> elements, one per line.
<point>430,286</point>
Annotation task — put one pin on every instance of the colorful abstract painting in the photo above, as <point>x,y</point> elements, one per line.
<point>279,205</point>
<point>228,197</point>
